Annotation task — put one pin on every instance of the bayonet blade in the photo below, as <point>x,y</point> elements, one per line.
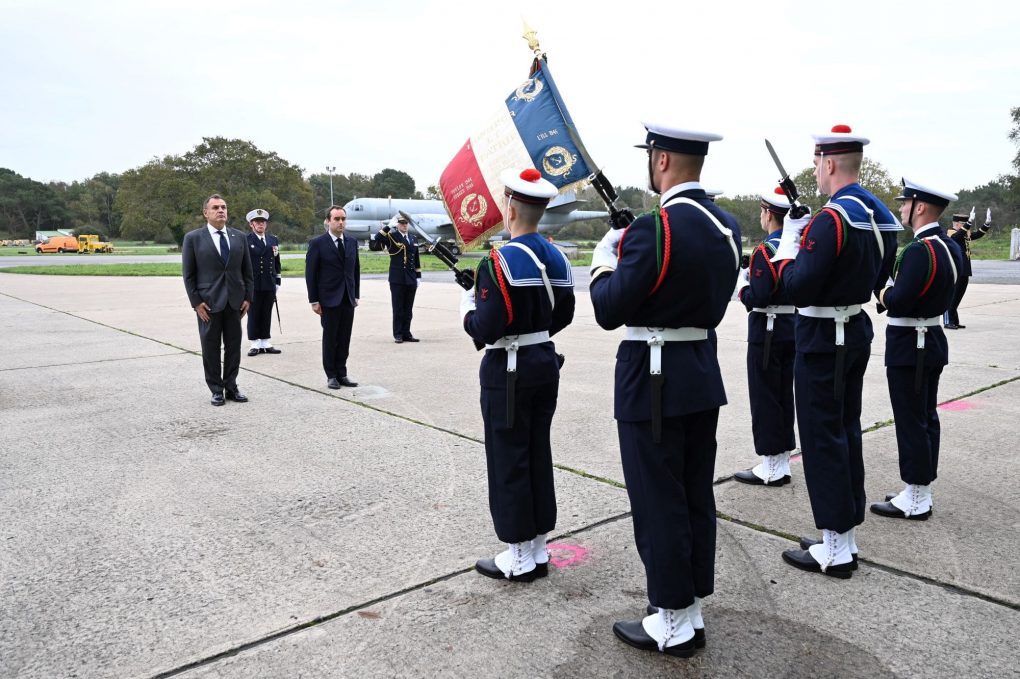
<point>772,152</point>
<point>421,232</point>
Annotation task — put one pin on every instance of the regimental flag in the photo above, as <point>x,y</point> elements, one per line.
<point>532,129</point>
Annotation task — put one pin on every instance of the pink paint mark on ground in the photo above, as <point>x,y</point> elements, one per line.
<point>958,405</point>
<point>563,555</point>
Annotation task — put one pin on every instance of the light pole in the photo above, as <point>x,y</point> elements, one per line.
<point>331,170</point>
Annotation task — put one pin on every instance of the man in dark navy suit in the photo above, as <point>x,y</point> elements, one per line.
<point>669,278</point>
<point>264,249</point>
<point>916,350</point>
<point>333,278</point>
<point>405,273</point>
<point>218,279</point>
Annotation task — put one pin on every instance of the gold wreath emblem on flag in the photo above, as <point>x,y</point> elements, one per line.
<point>473,208</point>
<point>558,161</point>
<point>529,90</point>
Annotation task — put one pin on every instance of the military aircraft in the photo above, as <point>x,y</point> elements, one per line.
<point>365,216</point>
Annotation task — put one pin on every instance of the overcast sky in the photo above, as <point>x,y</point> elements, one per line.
<point>107,86</point>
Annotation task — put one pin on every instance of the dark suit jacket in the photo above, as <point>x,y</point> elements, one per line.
<point>332,279</point>
<point>207,279</point>
<point>405,266</point>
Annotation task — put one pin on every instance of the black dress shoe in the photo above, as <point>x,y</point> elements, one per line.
<point>802,559</point>
<point>893,512</point>
<point>217,399</point>
<point>890,496</point>
<point>398,340</point>
<point>236,395</point>
<point>951,326</point>
<point>699,632</point>
<point>411,338</point>
<point>631,632</point>
<point>808,542</point>
<point>344,382</point>
<point>489,569</point>
<point>960,326</point>
<point>333,383</point>
<point>253,352</point>
<point>271,350</point>
<point>749,477</point>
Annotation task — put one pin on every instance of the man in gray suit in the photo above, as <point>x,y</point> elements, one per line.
<point>218,280</point>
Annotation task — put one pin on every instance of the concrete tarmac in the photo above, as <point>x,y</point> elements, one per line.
<point>313,532</point>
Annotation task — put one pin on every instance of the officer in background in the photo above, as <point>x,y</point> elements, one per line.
<point>669,277</point>
<point>405,273</point>
<point>962,235</point>
<point>844,254</point>
<point>770,351</point>
<point>523,294</point>
<point>916,350</point>
<point>264,249</point>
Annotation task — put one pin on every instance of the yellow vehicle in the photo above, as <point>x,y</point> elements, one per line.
<point>90,243</point>
<point>58,244</point>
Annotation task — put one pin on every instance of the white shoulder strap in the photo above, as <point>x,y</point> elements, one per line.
<point>949,255</point>
<point>541,267</point>
<point>724,230</point>
<point>871,216</point>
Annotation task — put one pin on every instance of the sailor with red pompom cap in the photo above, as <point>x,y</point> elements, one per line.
<point>770,350</point>
<point>523,294</point>
<point>829,269</point>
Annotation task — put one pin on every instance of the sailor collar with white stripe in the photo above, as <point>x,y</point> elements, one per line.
<point>844,201</point>
<point>934,227</point>
<point>520,270</point>
<point>678,189</point>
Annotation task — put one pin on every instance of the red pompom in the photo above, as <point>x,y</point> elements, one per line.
<point>531,175</point>
<point>842,129</point>
<point>779,191</point>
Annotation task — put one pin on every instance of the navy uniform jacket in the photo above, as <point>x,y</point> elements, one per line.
<point>694,293</point>
<point>962,238</point>
<point>405,267</point>
<point>510,274</point>
<point>839,267</point>
<point>332,278</point>
<point>921,291</point>
<point>265,261</point>
<point>764,291</point>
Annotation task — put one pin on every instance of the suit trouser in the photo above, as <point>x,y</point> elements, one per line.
<point>223,327</point>
<point>917,422</point>
<point>671,499</point>
<point>260,315</point>
<point>522,494</point>
<point>402,298</point>
<point>952,315</point>
<point>830,437</point>
<point>770,389</point>
<point>337,322</point>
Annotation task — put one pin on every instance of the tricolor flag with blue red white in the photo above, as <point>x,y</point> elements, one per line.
<point>532,129</point>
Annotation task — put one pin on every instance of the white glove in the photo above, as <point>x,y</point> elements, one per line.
<point>467,302</point>
<point>789,243</point>
<point>743,281</point>
<point>972,213</point>
<point>988,216</point>
<point>604,255</point>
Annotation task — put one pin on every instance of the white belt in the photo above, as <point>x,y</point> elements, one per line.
<point>514,342</point>
<point>656,337</point>
<point>840,314</point>
<point>771,311</point>
<point>920,324</point>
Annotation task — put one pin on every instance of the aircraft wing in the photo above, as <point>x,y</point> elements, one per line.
<point>564,203</point>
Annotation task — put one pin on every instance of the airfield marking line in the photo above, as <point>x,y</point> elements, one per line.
<point>98,360</point>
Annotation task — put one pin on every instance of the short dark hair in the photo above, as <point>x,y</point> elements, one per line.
<point>212,197</point>
<point>329,212</point>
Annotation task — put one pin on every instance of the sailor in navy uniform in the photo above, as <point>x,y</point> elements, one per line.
<point>523,294</point>
<point>669,277</point>
<point>962,234</point>
<point>264,249</point>
<point>405,272</point>
<point>828,269</point>
<point>924,279</point>
<point>770,351</point>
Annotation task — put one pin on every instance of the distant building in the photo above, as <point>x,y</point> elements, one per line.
<point>567,248</point>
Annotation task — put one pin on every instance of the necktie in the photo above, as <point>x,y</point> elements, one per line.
<point>340,244</point>
<point>224,248</point>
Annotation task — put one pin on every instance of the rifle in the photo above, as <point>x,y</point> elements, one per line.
<point>465,277</point>
<point>620,216</point>
<point>789,188</point>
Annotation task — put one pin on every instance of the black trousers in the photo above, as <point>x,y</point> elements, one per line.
<point>771,393</point>
<point>402,298</point>
<point>223,328</point>
<point>830,437</point>
<point>952,315</point>
<point>260,315</point>
<point>337,323</point>
<point>518,459</point>
<point>918,431</point>
<point>671,499</point>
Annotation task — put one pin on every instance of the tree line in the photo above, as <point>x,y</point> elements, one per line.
<point>162,200</point>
